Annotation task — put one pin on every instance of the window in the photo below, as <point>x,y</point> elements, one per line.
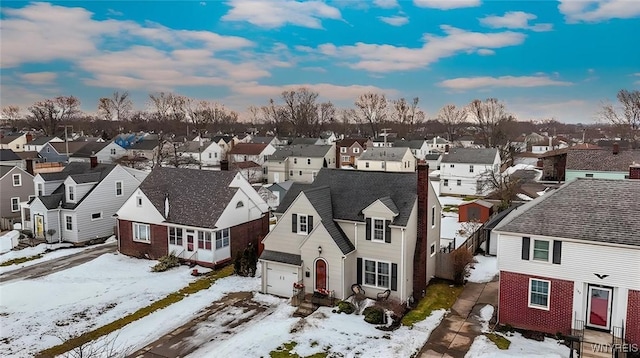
<point>265,170</point>
<point>175,235</point>
<point>210,155</point>
<point>343,149</point>
<point>300,173</point>
<point>377,230</point>
<point>15,204</point>
<point>588,175</point>
<point>215,155</point>
<point>451,166</point>
<point>376,273</point>
<point>295,160</point>
<point>96,216</point>
<point>141,232</point>
<point>345,158</point>
<point>40,189</point>
<point>138,201</point>
<point>68,222</point>
<point>471,169</point>
<point>204,240</point>
<point>113,151</point>
<point>290,173</point>
<point>119,188</point>
<point>314,174</point>
<point>383,164</point>
<point>17,180</point>
<point>458,182</point>
<point>433,216</point>
<point>366,164</point>
<point>48,150</point>
<point>541,250</point>
<point>539,293</point>
<point>222,238</point>
<point>31,197</point>
<point>72,193</point>
<point>245,158</point>
<point>356,150</point>
<point>308,161</point>
<point>302,224</point>
<point>432,249</point>
<point>239,204</point>
<point>445,182</point>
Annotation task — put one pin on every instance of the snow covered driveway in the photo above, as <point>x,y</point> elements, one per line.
<point>40,313</point>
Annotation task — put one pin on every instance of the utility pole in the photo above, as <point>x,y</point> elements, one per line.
<point>384,132</point>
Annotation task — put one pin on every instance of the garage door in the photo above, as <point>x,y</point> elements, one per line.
<point>280,279</point>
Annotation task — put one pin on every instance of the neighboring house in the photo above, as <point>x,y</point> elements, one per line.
<point>349,150</point>
<point>207,153</point>
<point>490,245</point>
<point>145,147</point>
<point>256,152</point>
<point>250,170</point>
<point>419,147</point>
<point>14,141</point>
<point>280,189</point>
<point>546,145</point>
<point>600,163</point>
<point>9,158</point>
<point>202,216</point>
<point>300,163</point>
<point>436,145</point>
<point>433,160</point>
<point>269,197</point>
<point>225,142</point>
<point>274,141</point>
<point>16,186</point>
<point>37,144</point>
<point>568,261</point>
<point>383,140</point>
<point>57,151</point>
<point>105,152</point>
<point>327,138</point>
<point>79,202</point>
<point>351,227</point>
<point>463,170</point>
<point>476,210</point>
<point>307,141</point>
<point>387,160</point>
<point>465,142</point>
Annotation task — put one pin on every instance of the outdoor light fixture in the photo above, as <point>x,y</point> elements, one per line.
<point>319,249</point>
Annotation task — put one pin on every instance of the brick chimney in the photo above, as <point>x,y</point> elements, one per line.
<point>224,165</point>
<point>420,253</point>
<point>616,148</point>
<point>94,161</point>
<point>634,171</point>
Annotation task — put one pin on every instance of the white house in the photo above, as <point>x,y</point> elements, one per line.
<point>387,159</point>
<point>254,152</point>
<point>105,152</point>
<point>37,144</point>
<point>14,141</point>
<point>300,163</point>
<point>208,153</point>
<point>437,144</point>
<point>463,171</point>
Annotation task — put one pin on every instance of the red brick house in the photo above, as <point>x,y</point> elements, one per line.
<point>349,149</point>
<point>201,216</point>
<point>568,262</point>
<point>477,210</point>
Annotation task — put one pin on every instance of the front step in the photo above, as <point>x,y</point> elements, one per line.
<point>305,309</point>
<point>23,244</point>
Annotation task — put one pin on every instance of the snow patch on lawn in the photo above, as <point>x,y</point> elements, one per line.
<point>520,347</point>
<point>484,270</point>
<point>486,313</point>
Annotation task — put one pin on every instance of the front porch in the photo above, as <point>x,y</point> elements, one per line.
<point>596,343</point>
<point>308,303</point>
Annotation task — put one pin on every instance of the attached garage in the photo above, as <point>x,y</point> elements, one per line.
<point>278,276</point>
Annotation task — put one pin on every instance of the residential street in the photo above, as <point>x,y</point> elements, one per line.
<point>63,263</point>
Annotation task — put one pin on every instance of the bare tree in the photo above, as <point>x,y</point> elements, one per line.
<point>502,185</point>
<point>11,113</point>
<point>255,114</point>
<point>118,107</point>
<point>276,115</point>
<point>50,113</point>
<point>490,118</point>
<point>201,114</point>
<point>301,109</point>
<point>626,118</point>
<point>162,108</point>
<point>452,117</point>
<point>372,108</point>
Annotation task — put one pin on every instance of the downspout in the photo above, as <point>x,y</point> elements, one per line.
<point>402,266</point>
<point>355,231</point>
<point>343,288</point>
<point>59,226</point>
<point>118,229</point>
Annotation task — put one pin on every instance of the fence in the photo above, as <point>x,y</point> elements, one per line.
<point>444,260</point>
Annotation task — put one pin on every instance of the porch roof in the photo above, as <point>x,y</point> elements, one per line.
<point>283,257</point>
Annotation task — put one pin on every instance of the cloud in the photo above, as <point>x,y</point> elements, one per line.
<point>446,4</point>
<point>467,83</point>
<point>515,20</point>
<point>39,78</point>
<point>567,111</point>
<point>315,69</point>
<point>277,13</point>
<point>394,20</point>
<point>113,12</point>
<point>387,58</point>
<point>386,4</point>
<point>597,11</point>
<point>485,52</point>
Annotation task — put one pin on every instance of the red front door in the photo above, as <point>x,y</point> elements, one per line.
<point>321,275</point>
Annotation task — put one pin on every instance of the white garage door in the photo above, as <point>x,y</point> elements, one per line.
<point>280,279</point>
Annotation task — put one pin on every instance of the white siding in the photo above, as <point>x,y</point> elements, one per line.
<point>330,253</point>
<point>146,212</point>
<point>281,238</point>
<point>105,156</point>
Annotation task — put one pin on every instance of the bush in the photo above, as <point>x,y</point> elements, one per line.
<point>166,262</point>
<point>346,307</point>
<point>246,262</point>
<point>373,315</point>
<point>462,258</point>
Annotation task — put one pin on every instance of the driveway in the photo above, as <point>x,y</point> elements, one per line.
<point>63,263</point>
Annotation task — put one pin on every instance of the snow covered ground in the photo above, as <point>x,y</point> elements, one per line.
<point>484,270</point>
<point>520,347</point>
<point>36,314</point>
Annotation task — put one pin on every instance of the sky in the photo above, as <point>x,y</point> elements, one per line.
<point>543,59</point>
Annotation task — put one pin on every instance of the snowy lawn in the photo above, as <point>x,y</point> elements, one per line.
<point>482,347</point>
<point>38,314</point>
<point>58,250</point>
<point>484,270</point>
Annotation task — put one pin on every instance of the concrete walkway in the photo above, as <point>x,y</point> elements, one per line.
<point>455,334</point>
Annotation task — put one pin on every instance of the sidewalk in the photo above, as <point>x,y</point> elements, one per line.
<point>455,334</point>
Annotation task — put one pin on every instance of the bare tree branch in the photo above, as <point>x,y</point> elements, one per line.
<point>50,113</point>
<point>372,109</point>
<point>451,117</point>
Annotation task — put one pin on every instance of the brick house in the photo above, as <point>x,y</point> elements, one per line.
<point>201,216</point>
<point>349,150</point>
<point>568,261</point>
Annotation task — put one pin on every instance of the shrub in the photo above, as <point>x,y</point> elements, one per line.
<point>462,258</point>
<point>373,315</point>
<point>246,262</point>
<point>346,307</point>
<point>166,262</point>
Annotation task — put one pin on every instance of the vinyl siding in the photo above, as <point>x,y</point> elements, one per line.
<point>51,220</point>
<point>573,174</point>
<point>378,210</point>
<point>433,235</point>
<point>9,191</point>
<point>330,253</point>
<point>307,169</point>
<point>281,238</point>
<point>405,268</point>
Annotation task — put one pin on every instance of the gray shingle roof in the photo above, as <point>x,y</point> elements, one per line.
<point>4,169</point>
<point>432,156</point>
<point>89,149</point>
<point>196,197</point>
<point>40,140</point>
<point>388,202</point>
<point>301,150</point>
<point>304,141</point>
<point>145,144</point>
<point>320,198</point>
<point>8,138</point>
<point>602,160</point>
<point>283,257</point>
<point>599,210</point>
<point>389,154</point>
<point>8,155</point>
<point>263,140</point>
<point>75,168</point>
<point>470,155</point>
<point>413,144</point>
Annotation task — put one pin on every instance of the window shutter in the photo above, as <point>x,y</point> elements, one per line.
<point>557,251</point>
<point>294,223</point>
<point>309,223</point>
<point>359,280</point>
<point>368,237</point>
<point>387,231</point>
<point>394,277</point>
<point>526,241</point>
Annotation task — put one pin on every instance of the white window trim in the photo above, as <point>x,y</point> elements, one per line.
<point>364,273</point>
<point>13,179</point>
<point>343,149</point>
<point>17,200</point>
<point>139,201</point>
<point>356,150</point>
<point>433,216</point>
<point>533,246</point>
<point>435,251</point>
<point>71,189</point>
<point>222,239</point>
<point>298,224</point>
<point>65,223</point>
<point>373,230</point>
<point>133,236</point>
<point>530,305</point>
<point>121,188</point>
<point>99,218</point>
<point>40,189</point>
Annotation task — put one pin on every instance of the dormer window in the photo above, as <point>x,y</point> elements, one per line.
<point>356,150</point>
<point>71,190</point>
<point>378,230</point>
<point>40,189</point>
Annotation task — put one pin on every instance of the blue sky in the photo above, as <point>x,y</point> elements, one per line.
<point>544,59</point>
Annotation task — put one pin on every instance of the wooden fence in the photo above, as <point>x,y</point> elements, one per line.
<point>444,260</point>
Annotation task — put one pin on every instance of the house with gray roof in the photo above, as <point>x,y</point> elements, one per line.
<point>392,159</point>
<point>300,162</point>
<point>463,171</point>
<point>16,186</point>
<point>14,141</point>
<point>201,216</point>
<point>376,229</point>
<point>104,152</point>
<point>36,144</point>
<point>568,261</point>
<point>78,203</point>
<point>9,158</point>
<point>611,163</point>
<point>208,153</point>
